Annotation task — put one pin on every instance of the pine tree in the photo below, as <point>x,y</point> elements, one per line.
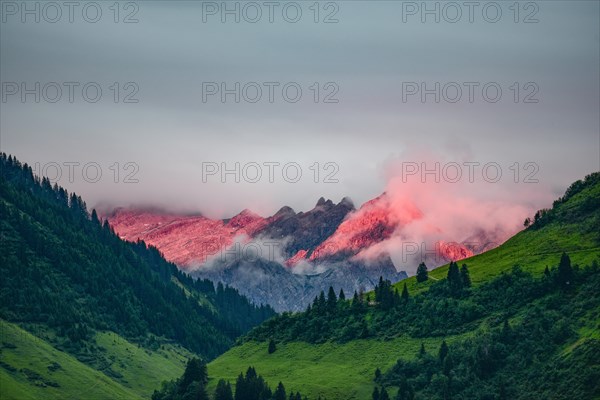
<point>272,346</point>
<point>464,276</point>
<point>375,395</point>
<point>405,293</point>
<point>342,296</point>
<point>405,390</point>
<point>546,272</point>
<point>279,392</point>
<point>223,391</point>
<point>94,217</point>
<point>241,388</point>
<point>422,274</point>
<point>453,277</point>
<point>422,350</point>
<point>443,351</point>
<point>195,371</point>
<point>331,299</point>
<point>507,332</point>
<point>377,374</point>
<point>383,395</point>
<point>565,271</point>
<point>448,364</point>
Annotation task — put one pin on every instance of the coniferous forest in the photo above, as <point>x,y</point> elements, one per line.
<point>66,276</point>
<point>62,268</point>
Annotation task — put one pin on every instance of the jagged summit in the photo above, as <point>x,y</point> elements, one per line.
<point>347,201</point>
<point>284,211</point>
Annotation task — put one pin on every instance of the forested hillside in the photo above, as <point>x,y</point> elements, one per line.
<point>66,278</point>
<point>519,322</point>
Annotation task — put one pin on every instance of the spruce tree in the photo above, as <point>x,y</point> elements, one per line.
<point>195,371</point>
<point>565,271</point>
<point>331,299</point>
<point>279,392</point>
<point>375,395</point>
<point>272,346</point>
<point>223,391</point>
<point>342,295</point>
<point>464,276</point>
<point>405,390</point>
<point>241,388</point>
<point>453,277</point>
<point>405,293</point>
<point>422,274</point>
<point>422,350</point>
<point>383,395</point>
<point>443,351</point>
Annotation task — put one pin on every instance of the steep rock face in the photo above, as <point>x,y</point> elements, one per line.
<point>190,241</point>
<point>329,245</point>
<point>246,222</point>
<point>306,230</point>
<point>373,223</point>
<point>184,240</point>
<point>453,251</point>
<point>267,282</point>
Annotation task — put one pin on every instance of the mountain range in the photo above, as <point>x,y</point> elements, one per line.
<point>286,259</point>
<point>85,314</point>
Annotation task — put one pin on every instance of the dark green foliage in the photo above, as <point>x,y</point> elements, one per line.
<point>518,360</point>
<point>63,270</point>
<point>405,293</point>
<point>383,394</point>
<point>223,391</point>
<point>279,392</point>
<point>405,390</point>
<point>375,395</point>
<point>422,351</point>
<point>272,346</point>
<point>465,278</point>
<point>454,278</point>
<point>195,371</point>
<point>443,351</point>
<point>422,274</point>
<point>191,386</point>
<point>579,214</point>
<point>331,299</point>
<point>253,387</point>
<point>564,274</point>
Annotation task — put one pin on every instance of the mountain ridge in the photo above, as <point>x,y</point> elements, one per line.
<point>525,326</point>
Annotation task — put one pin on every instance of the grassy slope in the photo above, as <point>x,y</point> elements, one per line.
<point>345,371</point>
<point>141,370</point>
<point>332,370</point>
<point>531,249</point>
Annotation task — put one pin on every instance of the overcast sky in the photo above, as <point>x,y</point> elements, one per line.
<point>368,61</point>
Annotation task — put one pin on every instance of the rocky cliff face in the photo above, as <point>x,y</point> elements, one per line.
<point>272,283</point>
<point>285,259</point>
